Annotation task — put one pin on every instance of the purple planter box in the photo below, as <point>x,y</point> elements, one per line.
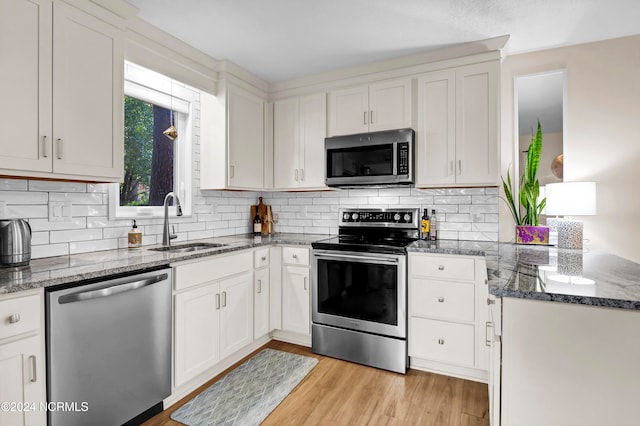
<point>528,234</point>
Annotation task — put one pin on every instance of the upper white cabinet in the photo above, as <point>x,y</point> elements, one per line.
<point>379,106</point>
<point>64,90</point>
<point>457,140</point>
<point>232,139</point>
<point>299,130</point>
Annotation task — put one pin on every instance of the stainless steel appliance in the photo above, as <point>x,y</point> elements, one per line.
<point>370,159</point>
<point>359,288</point>
<point>109,349</point>
<point>15,242</point>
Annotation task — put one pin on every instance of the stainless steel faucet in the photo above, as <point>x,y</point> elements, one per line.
<point>166,236</point>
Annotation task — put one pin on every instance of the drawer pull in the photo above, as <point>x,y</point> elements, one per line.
<point>441,341</point>
<point>295,256</point>
<point>305,283</point>
<point>224,299</point>
<point>217,300</point>
<point>441,299</point>
<point>263,258</point>
<point>14,318</point>
<point>490,301</point>
<point>34,377</point>
<point>259,286</point>
<point>487,333</point>
<point>441,268</point>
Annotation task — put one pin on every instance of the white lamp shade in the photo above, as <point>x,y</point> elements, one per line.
<point>571,199</point>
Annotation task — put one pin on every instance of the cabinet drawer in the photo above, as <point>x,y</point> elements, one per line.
<point>443,299</point>
<point>211,269</point>
<point>261,258</point>
<point>449,267</point>
<point>295,256</point>
<point>20,315</point>
<point>441,341</point>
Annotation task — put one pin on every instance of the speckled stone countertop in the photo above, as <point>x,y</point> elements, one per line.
<point>587,277</point>
<point>52,271</point>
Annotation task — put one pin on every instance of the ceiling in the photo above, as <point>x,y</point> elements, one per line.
<point>279,40</point>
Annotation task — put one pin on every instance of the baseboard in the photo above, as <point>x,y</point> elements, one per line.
<point>467,373</point>
<point>290,337</point>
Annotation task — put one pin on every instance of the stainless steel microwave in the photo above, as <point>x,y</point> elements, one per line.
<point>370,159</point>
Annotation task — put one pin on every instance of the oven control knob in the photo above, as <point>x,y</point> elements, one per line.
<point>396,217</point>
<point>346,216</point>
<point>354,216</point>
<point>407,217</point>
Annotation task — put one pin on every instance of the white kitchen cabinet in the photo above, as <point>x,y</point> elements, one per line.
<point>296,290</point>
<point>213,312</point>
<point>299,132</point>
<point>65,86</point>
<point>236,313</point>
<point>22,359</point>
<point>495,359</point>
<point>261,303</point>
<point>379,106</point>
<point>232,139</point>
<point>457,139</point>
<point>448,325</point>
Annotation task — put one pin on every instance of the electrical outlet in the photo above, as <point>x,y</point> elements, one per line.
<point>59,211</point>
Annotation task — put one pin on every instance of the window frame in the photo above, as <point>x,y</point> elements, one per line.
<point>150,86</point>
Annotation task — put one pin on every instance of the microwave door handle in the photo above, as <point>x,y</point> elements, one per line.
<point>395,159</point>
<point>366,258</point>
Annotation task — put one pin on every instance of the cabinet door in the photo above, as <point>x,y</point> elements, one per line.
<point>23,376</point>
<point>286,131</point>
<point>349,111</point>
<point>196,331</point>
<point>236,313</point>
<point>477,124</point>
<point>390,105</point>
<point>87,95</point>
<point>245,138</point>
<point>25,84</point>
<point>436,139</point>
<point>296,300</point>
<point>313,130</point>
<point>261,303</point>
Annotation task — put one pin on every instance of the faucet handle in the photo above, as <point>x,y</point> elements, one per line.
<point>173,236</point>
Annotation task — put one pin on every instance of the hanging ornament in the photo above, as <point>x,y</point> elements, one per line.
<point>171,132</point>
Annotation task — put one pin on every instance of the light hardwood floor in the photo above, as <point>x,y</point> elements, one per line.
<point>342,393</point>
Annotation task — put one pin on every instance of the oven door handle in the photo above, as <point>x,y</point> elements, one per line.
<point>366,258</point>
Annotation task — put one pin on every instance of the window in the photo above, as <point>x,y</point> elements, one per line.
<point>154,164</point>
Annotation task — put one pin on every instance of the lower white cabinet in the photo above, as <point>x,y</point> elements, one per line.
<point>295,299</point>
<point>22,359</point>
<point>495,359</point>
<point>261,290</point>
<point>448,324</point>
<point>236,313</point>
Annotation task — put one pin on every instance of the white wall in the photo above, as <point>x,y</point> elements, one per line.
<point>601,137</point>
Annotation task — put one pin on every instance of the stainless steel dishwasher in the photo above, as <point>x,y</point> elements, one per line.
<point>109,349</point>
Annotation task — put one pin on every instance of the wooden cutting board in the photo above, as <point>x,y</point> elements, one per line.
<point>264,212</point>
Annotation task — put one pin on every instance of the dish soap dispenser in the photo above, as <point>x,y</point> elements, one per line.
<point>135,236</point>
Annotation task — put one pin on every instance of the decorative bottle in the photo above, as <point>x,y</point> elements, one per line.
<point>433,233</point>
<point>425,225</point>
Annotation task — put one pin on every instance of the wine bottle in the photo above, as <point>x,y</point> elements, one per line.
<point>257,224</point>
<point>425,225</point>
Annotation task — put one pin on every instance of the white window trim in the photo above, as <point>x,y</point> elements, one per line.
<point>150,86</point>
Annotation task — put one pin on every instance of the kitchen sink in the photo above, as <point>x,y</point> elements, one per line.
<point>186,248</point>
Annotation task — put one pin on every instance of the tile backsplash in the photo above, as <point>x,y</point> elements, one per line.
<point>463,213</point>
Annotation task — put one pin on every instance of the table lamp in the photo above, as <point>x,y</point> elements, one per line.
<point>570,199</point>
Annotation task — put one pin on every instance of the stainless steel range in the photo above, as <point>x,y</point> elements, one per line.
<point>359,298</point>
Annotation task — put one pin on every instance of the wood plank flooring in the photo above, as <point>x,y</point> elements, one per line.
<point>342,393</point>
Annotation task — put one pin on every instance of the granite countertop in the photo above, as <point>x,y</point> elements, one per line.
<point>587,276</point>
<point>52,271</point>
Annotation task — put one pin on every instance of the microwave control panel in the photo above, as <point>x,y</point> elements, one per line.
<point>403,158</point>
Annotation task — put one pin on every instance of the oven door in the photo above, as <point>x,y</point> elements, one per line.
<point>360,291</point>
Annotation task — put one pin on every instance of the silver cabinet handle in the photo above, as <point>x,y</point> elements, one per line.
<point>490,301</point>
<point>45,147</point>
<point>441,268</point>
<point>441,341</point>
<point>441,299</point>
<point>459,167</point>
<point>296,175</point>
<point>371,116</point>
<point>14,318</point>
<point>487,337</point>
<point>217,300</point>
<point>451,167</point>
<point>34,372</point>
<point>59,148</point>
<point>305,283</point>
<point>358,258</point>
<point>110,291</point>
<point>232,171</point>
<point>259,286</point>
<point>302,175</point>
<point>224,299</point>
<point>365,117</point>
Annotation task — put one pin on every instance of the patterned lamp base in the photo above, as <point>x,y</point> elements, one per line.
<point>570,234</point>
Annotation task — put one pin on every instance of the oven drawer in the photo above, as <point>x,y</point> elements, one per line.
<point>19,315</point>
<point>438,266</point>
<point>442,341</point>
<point>443,299</point>
<point>261,258</point>
<point>295,256</point>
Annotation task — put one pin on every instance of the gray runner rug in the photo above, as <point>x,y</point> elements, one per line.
<point>248,394</point>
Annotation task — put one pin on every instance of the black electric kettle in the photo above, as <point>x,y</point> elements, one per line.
<point>15,242</point>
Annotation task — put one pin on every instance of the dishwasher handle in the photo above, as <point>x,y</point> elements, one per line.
<point>110,291</point>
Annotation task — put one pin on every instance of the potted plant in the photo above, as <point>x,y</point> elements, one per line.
<point>526,211</point>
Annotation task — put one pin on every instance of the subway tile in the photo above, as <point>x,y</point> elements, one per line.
<point>445,208</point>
<point>223,232</point>
<point>363,193</point>
<point>208,217</point>
<point>492,190</point>
<point>98,187</point>
<point>447,235</point>
<point>452,199</point>
<point>384,200</point>
<point>45,225</point>
<point>491,218</point>
<point>416,200</point>
<point>290,208</point>
<point>190,227</point>
<point>394,192</point>
<point>454,226</point>
<point>465,191</point>
<point>316,230</point>
<point>292,229</point>
<point>484,199</point>
<point>327,201</point>
<point>75,235</point>
<point>14,185</point>
<point>222,224</point>
<point>39,238</point>
<point>203,208</point>
<point>484,208</point>
<point>457,217</point>
<point>324,223</point>
<point>54,186</point>
<point>197,235</point>
<point>78,198</point>
<point>23,197</point>
<point>338,193</point>
<point>49,250</point>
<point>87,246</point>
<point>320,208</point>
<point>485,227</point>
<point>479,236</point>
<point>300,222</point>
<point>331,216</point>
<point>354,200</point>
<point>16,211</point>
<point>428,192</point>
<point>121,232</point>
<point>104,222</point>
